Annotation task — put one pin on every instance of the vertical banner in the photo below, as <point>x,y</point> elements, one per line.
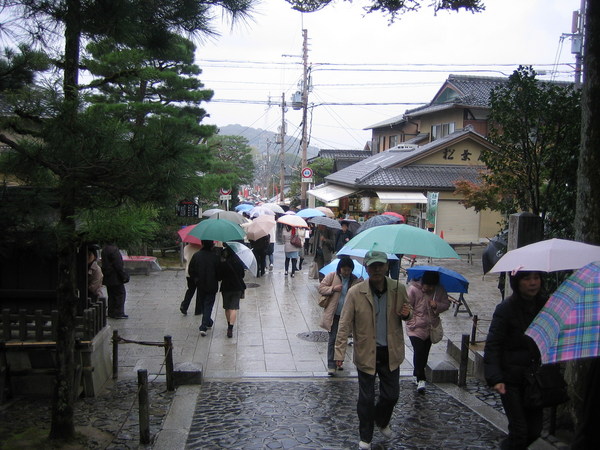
<point>432,206</point>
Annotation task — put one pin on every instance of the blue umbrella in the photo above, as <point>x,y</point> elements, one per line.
<point>358,270</point>
<point>243,207</point>
<point>451,280</point>
<point>310,212</point>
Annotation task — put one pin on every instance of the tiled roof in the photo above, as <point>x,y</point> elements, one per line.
<point>420,177</point>
<point>390,158</point>
<point>346,154</point>
<point>387,122</point>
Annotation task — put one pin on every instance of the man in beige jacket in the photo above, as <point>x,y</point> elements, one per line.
<point>373,314</point>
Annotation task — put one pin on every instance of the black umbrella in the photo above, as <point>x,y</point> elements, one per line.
<point>494,251</point>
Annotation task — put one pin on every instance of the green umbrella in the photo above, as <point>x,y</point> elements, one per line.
<point>404,239</point>
<point>218,230</point>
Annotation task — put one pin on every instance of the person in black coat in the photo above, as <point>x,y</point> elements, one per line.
<point>509,355</point>
<point>259,248</point>
<point>203,269</point>
<point>231,273</point>
<point>114,279</point>
<point>343,236</point>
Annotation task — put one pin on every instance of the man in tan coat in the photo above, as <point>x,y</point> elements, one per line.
<point>373,313</point>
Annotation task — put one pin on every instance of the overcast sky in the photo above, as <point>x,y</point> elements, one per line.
<point>357,58</point>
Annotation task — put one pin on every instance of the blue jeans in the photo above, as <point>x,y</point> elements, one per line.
<point>380,413</point>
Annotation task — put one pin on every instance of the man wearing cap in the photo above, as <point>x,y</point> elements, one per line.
<point>373,314</point>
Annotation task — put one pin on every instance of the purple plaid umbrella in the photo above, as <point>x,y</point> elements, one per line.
<point>568,326</point>
<point>377,221</point>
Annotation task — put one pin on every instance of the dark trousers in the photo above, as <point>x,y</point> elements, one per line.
<point>524,425</point>
<point>420,356</point>
<point>116,300</point>
<point>380,413</point>
<point>261,261</point>
<point>331,342</point>
<point>207,301</point>
<point>189,294</point>
<point>287,264</point>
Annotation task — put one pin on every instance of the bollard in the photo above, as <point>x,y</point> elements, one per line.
<point>464,360</point>
<point>115,342</point>
<point>474,329</point>
<point>143,406</point>
<point>169,363</point>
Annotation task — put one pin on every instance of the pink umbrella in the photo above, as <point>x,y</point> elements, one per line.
<point>185,236</point>
<point>395,214</point>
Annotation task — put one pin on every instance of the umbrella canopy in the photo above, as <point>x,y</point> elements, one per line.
<point>377,221</point>
<point>243,207</point>
<point>403,239</point>
<point>185,236</point>
<point>218,230</point>
<point>259,227</point>
<point>359,254</point>
<point>568,326</point>
<point>260,211</point>
<point>451,280</point>
<point>273,207</point>
<point>359,270</point>
<point>548,256</point>
<point>326,221</point>
<point>310,212</point>
<point>325,210</point>
<point>244,254</point>
<point>293,220</point>
<point>232,216</point>
<point>395,214</point>
<point>495,249</point>
<point>210,212</point>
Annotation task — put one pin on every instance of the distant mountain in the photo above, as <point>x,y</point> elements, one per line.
<point>264,140</point>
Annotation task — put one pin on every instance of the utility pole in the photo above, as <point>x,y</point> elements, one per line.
<point>282,151</point>
<point>577,32</point>
<point>305,87</point>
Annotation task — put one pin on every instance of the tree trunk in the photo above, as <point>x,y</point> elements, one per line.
<point>587,219</point>
<point>62,426</point>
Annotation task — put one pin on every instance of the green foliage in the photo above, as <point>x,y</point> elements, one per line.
<point>128,226</point>
<point>535,126</point>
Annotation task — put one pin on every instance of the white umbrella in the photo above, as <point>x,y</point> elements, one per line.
<point>245,254</point>
<point>293,221</point>
<point>260,211</point>
<point>273,207</point>
<point>551,255</point>
<point>327,211</point>
<point>210,212</point>
<point>232,216</point>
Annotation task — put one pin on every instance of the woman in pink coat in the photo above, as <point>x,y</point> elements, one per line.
<point>334,286</point>
<point>428,299</point>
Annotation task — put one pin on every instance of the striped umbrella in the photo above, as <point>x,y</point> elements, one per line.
<point>568,326</point>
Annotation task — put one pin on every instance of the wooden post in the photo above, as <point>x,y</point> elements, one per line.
<point>115,342</point>
<point>474,329</point>
<point>169,363</point>
<point>464,360</point>
<point>143,406</point>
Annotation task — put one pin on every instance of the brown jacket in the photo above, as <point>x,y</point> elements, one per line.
<point>326,288</point>
<point>358,318</point>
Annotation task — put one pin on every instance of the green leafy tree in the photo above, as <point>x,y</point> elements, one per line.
<point>535,127</point>
<point>92,154</point>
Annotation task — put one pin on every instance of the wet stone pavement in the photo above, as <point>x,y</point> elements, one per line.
<point>321,414</point>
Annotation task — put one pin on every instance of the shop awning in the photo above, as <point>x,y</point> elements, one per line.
<point>401,197</point>
<point>330,192</point>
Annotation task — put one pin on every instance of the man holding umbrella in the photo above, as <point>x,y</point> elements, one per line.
<point>203,269</point>
<point>373,313</point>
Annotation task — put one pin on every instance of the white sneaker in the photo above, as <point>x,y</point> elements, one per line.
<point>421,386</point>
<point>270,267</point>
<point>364,445</point>
<point>386,432</point>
